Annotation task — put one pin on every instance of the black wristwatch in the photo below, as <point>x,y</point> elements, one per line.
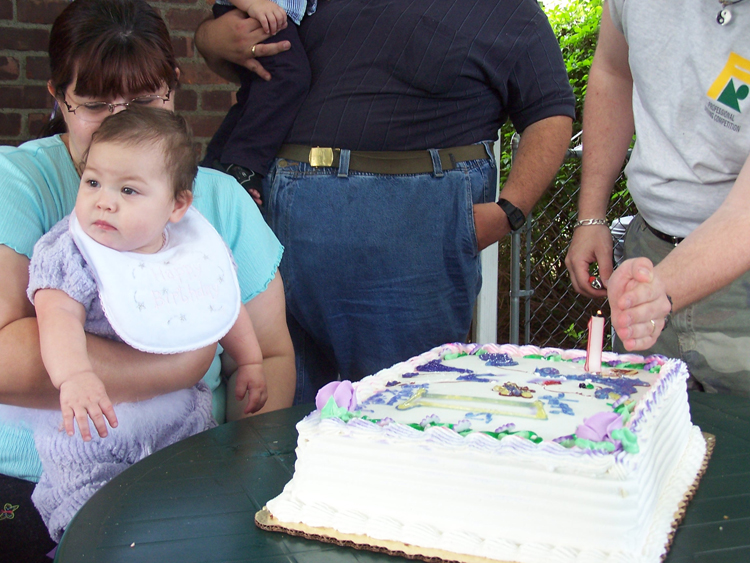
<point>516,218</point>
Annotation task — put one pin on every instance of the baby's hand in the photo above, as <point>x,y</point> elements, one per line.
<point>251,382</point>
<point>83,396</point>
<point>270,15</point>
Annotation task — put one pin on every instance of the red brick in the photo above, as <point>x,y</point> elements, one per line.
<point>181,48</point>
<point>185,20</point>
<point>199,73</point>
<point>9,69</point>
<point>37,68</point>
<point>10,124</point>
<point>25,97</point>
<point>203,125</point>
<point>40,11</point>
<point>6,9</point>
<point>36,122</point>
<point>16,39</point>
<point>216,100</point>
<point>186,99</point>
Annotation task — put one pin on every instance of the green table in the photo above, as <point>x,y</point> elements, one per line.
<point>195,501</point>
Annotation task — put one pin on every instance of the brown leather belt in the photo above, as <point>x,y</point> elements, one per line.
<point>384,162</point>
<point>664,236</point>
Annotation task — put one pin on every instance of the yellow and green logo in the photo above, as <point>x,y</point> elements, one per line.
<point>724,90</point>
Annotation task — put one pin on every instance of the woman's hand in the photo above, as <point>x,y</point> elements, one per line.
<point>639,303</point>
<point>236,38</point>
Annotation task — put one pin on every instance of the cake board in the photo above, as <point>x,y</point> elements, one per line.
<point>265,521</point>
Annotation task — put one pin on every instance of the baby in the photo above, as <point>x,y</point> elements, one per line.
<point>136,262</point>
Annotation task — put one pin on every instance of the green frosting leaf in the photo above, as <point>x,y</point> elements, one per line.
<point>628,440</point>
<point>455,355</point>
<point>591,445</point>
<point>332,410</point>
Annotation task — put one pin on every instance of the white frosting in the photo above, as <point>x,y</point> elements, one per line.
<point>508,499</point>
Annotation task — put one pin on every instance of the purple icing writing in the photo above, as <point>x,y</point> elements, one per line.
<point>476,377</point>
<point>559,404</point>
<point>437,365</point>
<point>498,360</point>
<point>479,416</point>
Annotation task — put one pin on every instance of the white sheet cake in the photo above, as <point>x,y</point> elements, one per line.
<point>501,452</point>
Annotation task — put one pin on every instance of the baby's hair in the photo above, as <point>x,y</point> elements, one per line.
<point>138,126</point>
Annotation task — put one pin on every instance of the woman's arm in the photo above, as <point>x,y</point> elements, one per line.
<point>128,375</point>
<point>268,314</point>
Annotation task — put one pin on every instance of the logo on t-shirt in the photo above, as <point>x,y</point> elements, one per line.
<point>729,90</point>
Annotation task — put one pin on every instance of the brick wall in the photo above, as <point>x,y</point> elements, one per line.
<point>25,104</point>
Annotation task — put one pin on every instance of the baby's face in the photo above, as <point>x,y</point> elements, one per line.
<point>125,198</point>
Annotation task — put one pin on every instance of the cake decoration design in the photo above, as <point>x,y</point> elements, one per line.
<point>489,405</point>
<point>510,389</point>
<point>461,471</point>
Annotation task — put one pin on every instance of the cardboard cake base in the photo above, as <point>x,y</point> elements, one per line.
<point>265,520</point>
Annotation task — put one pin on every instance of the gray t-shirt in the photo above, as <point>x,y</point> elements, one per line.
<point>691,107</point>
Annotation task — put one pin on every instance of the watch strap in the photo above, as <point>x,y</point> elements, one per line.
<point>516,217</point>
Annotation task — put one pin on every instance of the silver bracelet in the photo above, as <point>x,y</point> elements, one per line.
<point>587,222</point>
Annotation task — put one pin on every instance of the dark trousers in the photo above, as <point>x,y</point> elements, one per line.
<point>23,535</point>
<point>256,126</point>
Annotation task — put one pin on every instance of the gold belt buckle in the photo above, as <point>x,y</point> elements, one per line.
<point>321,156</point>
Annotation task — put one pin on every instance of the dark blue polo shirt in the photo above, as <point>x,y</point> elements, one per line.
<point>418,74</point>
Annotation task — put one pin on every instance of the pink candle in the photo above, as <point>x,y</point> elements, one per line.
<point>595,343</point>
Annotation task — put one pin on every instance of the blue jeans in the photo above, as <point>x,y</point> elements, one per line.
<point>377,268</point>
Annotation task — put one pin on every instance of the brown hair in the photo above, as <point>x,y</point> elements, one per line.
<point>138,126</point>
<point>110,47</point>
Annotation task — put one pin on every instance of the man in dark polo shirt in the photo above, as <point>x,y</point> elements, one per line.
<point>384,192</point>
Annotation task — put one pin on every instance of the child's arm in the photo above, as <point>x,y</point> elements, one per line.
<point>63,346</point>
<point>242,344</point>
<point>270,15</point>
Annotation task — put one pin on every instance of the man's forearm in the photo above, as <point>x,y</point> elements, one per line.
<point>608,125</point>
<point>540,153</point>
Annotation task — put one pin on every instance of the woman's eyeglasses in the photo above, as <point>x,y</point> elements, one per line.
<point>95,112</point>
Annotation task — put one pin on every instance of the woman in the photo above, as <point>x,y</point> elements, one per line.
<point>105,55</point>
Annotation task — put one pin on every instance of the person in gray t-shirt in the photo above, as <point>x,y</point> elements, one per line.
<point>679,77</point>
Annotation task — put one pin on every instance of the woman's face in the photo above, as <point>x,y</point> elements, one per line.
<point>82,122</point>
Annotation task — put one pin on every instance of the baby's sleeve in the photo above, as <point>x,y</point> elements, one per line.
<point>57,264</point>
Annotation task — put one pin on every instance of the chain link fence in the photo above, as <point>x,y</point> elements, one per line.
<point>544,308</point>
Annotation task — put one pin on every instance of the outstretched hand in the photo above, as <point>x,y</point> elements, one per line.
<point>639,303</point>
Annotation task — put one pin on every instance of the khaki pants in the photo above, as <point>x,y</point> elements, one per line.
<point>712,336</point>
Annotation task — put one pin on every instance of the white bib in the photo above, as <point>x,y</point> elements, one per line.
<point>184,297</point>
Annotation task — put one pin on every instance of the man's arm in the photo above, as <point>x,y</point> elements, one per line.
<point>128,375</point>
<point>231,39</point>
<point>268,313</point>
<point>711,257</point>
<point>607,132</point>
<point>540,154</point>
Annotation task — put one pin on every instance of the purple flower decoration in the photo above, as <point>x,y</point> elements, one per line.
<point>426,421</point>
<point>342,393</point>
<point>599,427</point>
<point>462,425</point>
<point>505,428</point>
